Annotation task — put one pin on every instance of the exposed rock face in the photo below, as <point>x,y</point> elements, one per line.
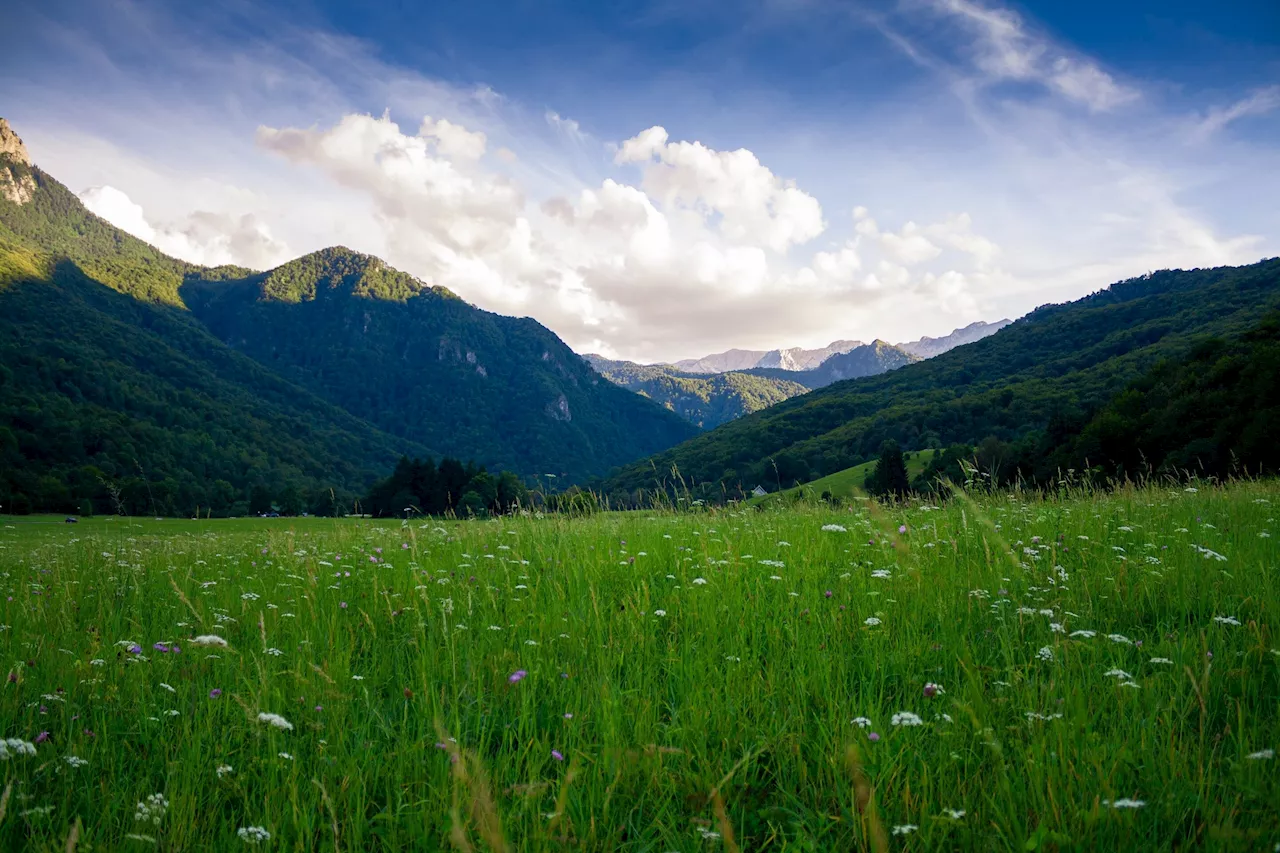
<point>11,144</point>
<point>16,181</point>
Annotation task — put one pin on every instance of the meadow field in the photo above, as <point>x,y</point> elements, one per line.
<point>1095,672</point>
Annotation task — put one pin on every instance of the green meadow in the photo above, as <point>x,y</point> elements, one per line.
<point>1002,672</point>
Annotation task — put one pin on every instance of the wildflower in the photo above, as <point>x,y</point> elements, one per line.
<point>834,528</point>
<point>75,760</point>
<point>931,690</point>
<point>1226,620</point>
<point>215,693</point>
<point>905,718</point>
<point>883,574</point>
<point>209,640</point>
<point>1084,634</point>
<point>160,647</point>
<point>1045,653</point>
<point>253,834</point>
<point>153,810</point>
<point>871,621</point>
<point>1120,638</point>
<point>518,675</point>
<point>223,770</point>
<point>275,653</point>
<point>1124,803</point>
<point>905,829</point>
<point>1161,660</point>
<point>10,747</point>
<point>357,678</point>
<point>1261,754</point>
<point>342,604</point>
<point>954,814</point>
<point>42,737</point>
<point>827,594</point>
<point>873,737</point>
<point>699,581</point>
<point>1056,627</point>
<point>275,720</point>
<point>135,649</point>
<point>861,722</point>
<point>557,755</point>
<point>659,613</point>
<point>285,755</point>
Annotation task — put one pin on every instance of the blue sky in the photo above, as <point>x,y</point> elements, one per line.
<point>657,180</point>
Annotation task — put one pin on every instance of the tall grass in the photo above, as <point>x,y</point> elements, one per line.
<point>692,681</point>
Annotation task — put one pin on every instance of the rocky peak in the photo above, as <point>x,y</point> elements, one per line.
<point>11,144</point>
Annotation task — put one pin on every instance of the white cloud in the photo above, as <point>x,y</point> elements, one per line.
<point>1006,49</point>
<point>1256,103</point>
<point>753,204</point>
<point>202,237</point>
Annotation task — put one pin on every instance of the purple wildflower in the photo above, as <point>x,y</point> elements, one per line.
<point>930,690</point>
<point>342,604</point>
<point>902,528</point>
<point>215,693</point>
<point>518,675</point>
<point>160,647</point>
<point>557,755</point>
<point>42,737</point>
<point>873,737</point>
<point>135,649</point>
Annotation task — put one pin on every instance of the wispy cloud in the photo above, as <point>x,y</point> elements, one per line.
<point>1256,103</point>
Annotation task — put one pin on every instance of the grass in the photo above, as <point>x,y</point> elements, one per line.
<point>846,484</point>
<point>689,715</point>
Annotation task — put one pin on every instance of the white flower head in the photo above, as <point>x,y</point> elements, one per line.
<point>253,835</point>
<point>906,718</point>
<point>276,721</point>
<point>834,528</point>
<point>861,722</point>
<point>209,640</point>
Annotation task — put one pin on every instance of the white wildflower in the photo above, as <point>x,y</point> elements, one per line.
<point>1120,638</point>
<point>1226,620</point>
<point>1161,660</point>
<point>275,720</point>
<point>1261,754</point>
<point>861,722</point>
<point>659,613</point>
<point>209,640</point>
<point>1056,627</point>
<point>871,621</point>
<point>1084,634</point>
<point>253,834</point>
<point>699,581</point>
<point>153,810</point>
<point>906,718</point>
<point>834,528</point>
<point>75,761</point>
<point>1124,803</point>
<point>223,770</point>
<point>1045,653</point>
<point>905,829</point>
<point>954,814</point>
<point>12,747</point>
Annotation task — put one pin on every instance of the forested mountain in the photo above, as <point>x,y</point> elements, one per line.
<point>864,360</point>
<point>420,363</point>
<point>706,400</point>
<point>110,385</point>
<point>1051,368</point>
<point>928,347</point>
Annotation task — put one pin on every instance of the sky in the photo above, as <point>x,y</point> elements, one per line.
<point>661,180</point>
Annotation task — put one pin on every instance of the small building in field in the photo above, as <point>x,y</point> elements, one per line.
<point>759,491</point>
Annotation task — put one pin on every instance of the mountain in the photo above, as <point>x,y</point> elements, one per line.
<point>420,363</point>
<point>793,359</point>
<point>863,360</point>
<point>108,388</point>
<point>929,347</point>
<point>1050,368</point>
<point>110,380</point>
<point>706,400</point>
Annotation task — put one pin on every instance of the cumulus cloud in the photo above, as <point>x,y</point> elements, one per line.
<point>753,204</point>
<point>202,237</point>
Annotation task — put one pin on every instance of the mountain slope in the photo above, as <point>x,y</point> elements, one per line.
<point>420,363</point>
<point>928,347</point>
<point>706,400</point>
<point>143,398</point>
<point>1057,359</point>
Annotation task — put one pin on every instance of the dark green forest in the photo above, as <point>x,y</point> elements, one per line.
<point>1038,380</point>
<point>704,399</point>
<point>420,487</point>
<point>308,382</point>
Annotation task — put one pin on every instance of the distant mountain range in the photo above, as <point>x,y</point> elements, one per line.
<point>128,374</point>
<point>1022,392</point>
<point>797,358</point>
<point>717,388</point>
